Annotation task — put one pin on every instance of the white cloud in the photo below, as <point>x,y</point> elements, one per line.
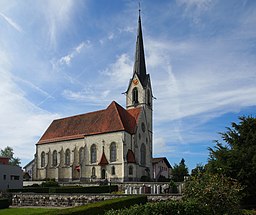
<point>77,50</point>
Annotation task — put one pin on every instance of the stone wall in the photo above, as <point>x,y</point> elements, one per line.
<point>71,200</point>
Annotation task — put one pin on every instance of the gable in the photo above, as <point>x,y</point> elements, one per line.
<point>113,118</point>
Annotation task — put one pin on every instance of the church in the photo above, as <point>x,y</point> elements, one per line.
<point>114,143</point>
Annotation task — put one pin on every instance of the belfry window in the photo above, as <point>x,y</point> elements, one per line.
<point>67,157</point>
<point>54,158</point>
<point>135,96</point>
<point>93,153</point>
<point>42,159</point>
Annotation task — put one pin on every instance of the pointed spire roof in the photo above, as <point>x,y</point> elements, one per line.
<point>103,160</point>
<point>139,63</point>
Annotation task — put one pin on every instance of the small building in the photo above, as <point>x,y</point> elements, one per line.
<point>11,177</point>
<point>28,170</point>
<point>161,168</point>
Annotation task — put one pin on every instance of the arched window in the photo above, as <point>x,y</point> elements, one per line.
<point>130,170</point>
<point>112,152</point>
<point>42,159</point>
<point>149,98</point>
<point>93,153</point>
<point>143,154</point>
<point>81,155</point>
<point>135,96</point>
<point>93,172</point>
<point>67,157</point>
<point>113,170</point>
<point>54,158</point>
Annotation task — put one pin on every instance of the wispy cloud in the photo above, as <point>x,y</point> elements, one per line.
<point>11,22</point>
<point>21,121</point>
<point>69,57</point>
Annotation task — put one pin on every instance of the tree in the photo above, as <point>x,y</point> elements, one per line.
<point>200,168</point>
<point>237,157</point>
<point>219,194</point>
<point>8,152</point>
<point>179,171</point>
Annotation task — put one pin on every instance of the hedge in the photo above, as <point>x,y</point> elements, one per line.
<point>4,203</point>
<point>92,189</point>
<point>99,208</point>
<point>164,208</point>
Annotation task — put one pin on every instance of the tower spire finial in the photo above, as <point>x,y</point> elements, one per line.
<point>139,9</point>
<point>139,64</point>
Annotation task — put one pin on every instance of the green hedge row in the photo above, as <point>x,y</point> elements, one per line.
<point>163,208</point>
<point>102,207</point>
<point>92,189</point>
<point>4,203</point>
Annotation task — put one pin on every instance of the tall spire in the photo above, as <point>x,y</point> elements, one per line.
<point>139,64</point>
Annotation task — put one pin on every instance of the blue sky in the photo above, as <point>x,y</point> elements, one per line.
<point>60,58</point>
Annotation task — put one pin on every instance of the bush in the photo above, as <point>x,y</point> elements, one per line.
<point>220,194</point>
<point>163,208</point>
<point>4,203</point>
<point>102,207</point>
<point>92,189</point>
<point>30,190</point>
<point>50,183</point>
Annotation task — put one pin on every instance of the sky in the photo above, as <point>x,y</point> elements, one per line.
<point>61,58</point>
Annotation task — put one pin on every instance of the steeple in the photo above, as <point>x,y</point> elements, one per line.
<point>139,63</point>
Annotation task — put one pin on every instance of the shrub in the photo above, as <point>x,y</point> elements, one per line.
<point>4,203</point>
<point>220,194</point>
<point>30,190</point>
<point>50,183</point>
<point>163,208</point>
<point>92,189</point>
<point>102,207</point>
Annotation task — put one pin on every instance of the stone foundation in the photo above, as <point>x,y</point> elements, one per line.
<point>71,200</point>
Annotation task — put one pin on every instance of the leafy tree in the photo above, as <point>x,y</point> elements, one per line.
<point>221,195</point>
<point>237,158</point>
<point>179,171</point>
<point>198,170</point>
<point>8,152</point>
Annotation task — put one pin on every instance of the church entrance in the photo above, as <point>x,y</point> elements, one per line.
<point>103,174</point>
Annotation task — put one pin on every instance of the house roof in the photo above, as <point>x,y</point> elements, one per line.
<point>113,118</point>
<point>157,160</point>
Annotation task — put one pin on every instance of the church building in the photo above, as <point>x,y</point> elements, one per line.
<point>114,143</point>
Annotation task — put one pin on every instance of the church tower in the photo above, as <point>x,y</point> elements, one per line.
<point>139,92</point>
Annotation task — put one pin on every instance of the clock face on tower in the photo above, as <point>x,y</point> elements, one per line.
<point>135,81</point>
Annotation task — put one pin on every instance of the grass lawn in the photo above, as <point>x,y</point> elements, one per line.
<point>24,211</point>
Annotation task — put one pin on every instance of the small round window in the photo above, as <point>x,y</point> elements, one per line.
<point>143,128</point>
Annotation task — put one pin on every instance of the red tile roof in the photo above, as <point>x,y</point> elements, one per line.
<point>113,118</point>
<point>164,159</point>
<point>130,156</point>
<point>103,160</point>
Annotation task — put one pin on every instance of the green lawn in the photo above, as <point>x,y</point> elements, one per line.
<point>24,211</point>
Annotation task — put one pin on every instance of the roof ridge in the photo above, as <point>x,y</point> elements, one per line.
<point>116,108</point>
